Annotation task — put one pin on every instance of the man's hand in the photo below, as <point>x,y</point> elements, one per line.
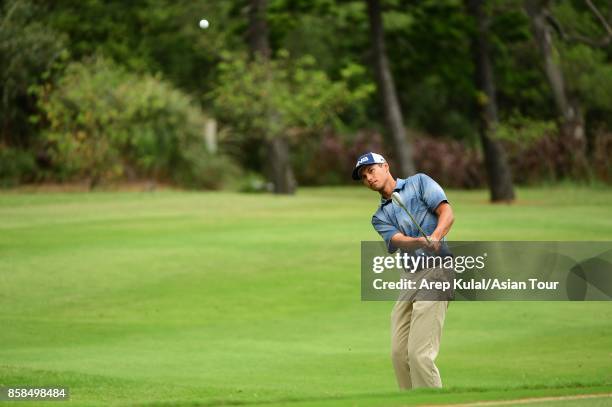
<point>424,243</point>
<point>431,243</point>
<point>414,243</point>
<point>434,243</point>
<point>445,221</point>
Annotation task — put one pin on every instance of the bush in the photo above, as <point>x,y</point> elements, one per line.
<point>331,160</point>
<point>30,52</point>
<point>533,149</point>
<point>449,162</point>
<point>16,166</point>
<point>252,182</point>
<point>202,170</point>
<point>106,123</point>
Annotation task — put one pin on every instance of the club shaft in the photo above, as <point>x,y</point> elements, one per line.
<point>414,221</point>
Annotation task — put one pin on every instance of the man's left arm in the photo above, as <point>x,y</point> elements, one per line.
<point>445,221</point>
<point>436,201</point>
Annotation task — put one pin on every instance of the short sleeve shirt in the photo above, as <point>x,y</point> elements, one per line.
<point>421,196</point>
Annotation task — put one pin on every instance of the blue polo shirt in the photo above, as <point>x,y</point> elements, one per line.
<point>421,196</point>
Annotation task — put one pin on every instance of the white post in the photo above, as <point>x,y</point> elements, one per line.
<point>210,135</point>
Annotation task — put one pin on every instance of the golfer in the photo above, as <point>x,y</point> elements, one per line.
<point>416,325</point>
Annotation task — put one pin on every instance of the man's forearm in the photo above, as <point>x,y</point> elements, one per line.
<point>445,221</point>
<point>406,242</point>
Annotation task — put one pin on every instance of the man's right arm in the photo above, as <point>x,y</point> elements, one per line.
<point>394,238</point>
<point>411,243</point>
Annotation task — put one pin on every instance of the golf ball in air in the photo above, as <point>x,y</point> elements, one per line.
<point>204,23</point>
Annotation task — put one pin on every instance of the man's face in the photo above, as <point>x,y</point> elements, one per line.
<point>374,176</point>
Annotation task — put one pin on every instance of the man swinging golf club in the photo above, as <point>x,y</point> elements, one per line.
<point>414,215</point>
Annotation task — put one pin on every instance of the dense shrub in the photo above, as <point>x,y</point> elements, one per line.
<point>537,154</point>
<point>16,166</point>
<point>533,158</point>
<point>105,123</point>
<point>30,52</point>
<point>333,157</point>
<point>534,162</point>
<point>200,169</point>
<point>538,161</point>
<point>328,159</point>
<point>449,162</point>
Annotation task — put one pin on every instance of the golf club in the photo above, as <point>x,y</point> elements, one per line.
<point>397,199</point>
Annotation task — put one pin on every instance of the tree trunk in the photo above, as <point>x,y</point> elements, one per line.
<point>571,122</point>
<point>386,88</point>
<point>496,162</point>
<point>257,34</point>
<point>278,165</point>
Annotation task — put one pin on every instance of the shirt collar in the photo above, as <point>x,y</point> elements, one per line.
<point>399,184</point>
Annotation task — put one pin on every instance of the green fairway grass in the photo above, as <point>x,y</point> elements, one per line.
<point>188,298</point>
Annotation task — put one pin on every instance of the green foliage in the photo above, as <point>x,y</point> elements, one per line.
<point>265,99</point>
<point>575,18</point>
<point>200,169</point>
<point>153,36</point>
<point>29,51</point>
<point>105,123</point>
<point>428,45</point>
<point>254,183</point>
<point>589,75</point>
<point>521,86</point>
<point>16,166</point>
<point>80,109</point>
<point>586,67</point>
<point>523,129</point>
<point>284,97</point>
<point>432,95</point>
<point>126,127</point>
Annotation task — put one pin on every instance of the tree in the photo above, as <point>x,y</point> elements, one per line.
<point>386,87</point>
<point>154,36</point>
<point>304,100</point>
<point>498,170</point>
<point>279,166</point>
<point>28,51</point>
<point>571,120</point>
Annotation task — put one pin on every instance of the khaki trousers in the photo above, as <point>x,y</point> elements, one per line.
<point>416,329</point>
